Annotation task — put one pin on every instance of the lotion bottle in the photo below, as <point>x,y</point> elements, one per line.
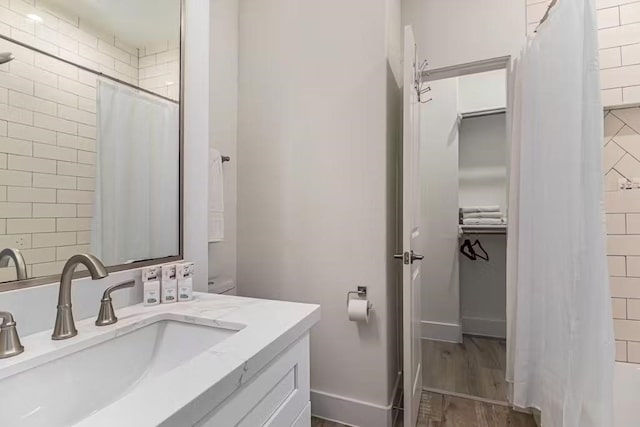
<point>185,281</point>
<point>151,285</point>
<point>169,284</point>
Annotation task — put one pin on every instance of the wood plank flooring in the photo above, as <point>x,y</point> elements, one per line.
<point>437,410</point>
<point>475,368</point>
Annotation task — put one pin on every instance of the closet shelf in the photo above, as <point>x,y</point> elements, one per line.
<point>482,229</point>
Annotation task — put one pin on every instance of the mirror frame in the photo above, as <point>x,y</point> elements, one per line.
<point>47,280</point>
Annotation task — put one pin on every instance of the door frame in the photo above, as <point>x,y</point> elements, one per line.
<point>475,67</point>
<point>498,63</point>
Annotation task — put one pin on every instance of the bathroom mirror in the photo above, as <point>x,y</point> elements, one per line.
<point>90,134</point>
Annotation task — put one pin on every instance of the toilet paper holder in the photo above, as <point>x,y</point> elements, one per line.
<point>361,292</point>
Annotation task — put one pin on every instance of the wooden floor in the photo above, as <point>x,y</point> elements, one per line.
<point>475,368</point>
<point>437,410</point>
<point>317,422</point>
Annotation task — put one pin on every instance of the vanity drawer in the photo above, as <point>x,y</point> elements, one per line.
<point>275,397</point>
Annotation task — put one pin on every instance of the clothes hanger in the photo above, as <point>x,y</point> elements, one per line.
<point>467,250</point>
<point>486,255</point>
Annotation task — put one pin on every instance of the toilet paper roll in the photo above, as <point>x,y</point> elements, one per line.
<point>358,310</point>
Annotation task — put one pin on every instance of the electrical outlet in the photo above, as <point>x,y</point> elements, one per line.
<point>623,183</point>
<point>20,242</point>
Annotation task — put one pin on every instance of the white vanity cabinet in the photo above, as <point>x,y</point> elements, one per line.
<point>219,361</point>
<point>277,396</point>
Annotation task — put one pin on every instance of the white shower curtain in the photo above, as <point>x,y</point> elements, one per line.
<point>137,176</point>
<point>560,338</point>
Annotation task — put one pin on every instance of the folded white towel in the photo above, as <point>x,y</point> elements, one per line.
<point>216,197</point>
<point>469,209</point>
<point>482,215</point>
<point>484,221</point>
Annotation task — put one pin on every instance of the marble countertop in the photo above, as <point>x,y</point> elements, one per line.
<point>183,395</point>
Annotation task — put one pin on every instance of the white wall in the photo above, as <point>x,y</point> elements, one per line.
<point>159,68</point>
<point>483,91</point>
<point>439,213</point>
<point>483,289</point>
<point>315,190</point>
<point>224,126</point>
<point>459,31</point>
<point>35,308</point>
<point>483,162</point>
<point>196,137</point>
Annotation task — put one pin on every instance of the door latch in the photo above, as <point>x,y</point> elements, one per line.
<point>408,257</point>
<point>405,257</point>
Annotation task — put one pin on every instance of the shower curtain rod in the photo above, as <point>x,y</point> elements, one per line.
<point>546,14</point>
<point>90,70</point>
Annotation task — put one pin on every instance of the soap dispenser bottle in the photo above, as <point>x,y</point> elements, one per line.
<point>151,285</point>
<point>169,284</point>
<point>185,281</point>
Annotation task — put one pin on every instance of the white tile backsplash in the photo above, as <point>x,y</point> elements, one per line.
<point>30,225</point>
<point>617,266</point>
<point>633,223</point>
<point>621,351</point>
<point>21,194</point>
<point>633,266</point>
<point>633,352</point>
<point>631,95</point>
<point>611,58</point>
<point>631,54</point>
<point>620,76</point>
<point>609,17</point>
<point>619,308</point>
<point>633,309</point>
<point>630,13</point>
<point>612,96</point>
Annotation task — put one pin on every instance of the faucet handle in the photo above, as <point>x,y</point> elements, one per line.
<point>9,340</point>
<point>106,315</point>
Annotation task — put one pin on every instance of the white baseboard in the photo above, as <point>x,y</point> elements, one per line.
<point>349,411</point>
<point>495,328</point>
<point>466,396</point>
<point>437,331</point>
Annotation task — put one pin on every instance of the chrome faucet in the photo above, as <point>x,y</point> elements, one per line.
<point>18,261</point>
<point>9,340</point>
<point>65,326</point>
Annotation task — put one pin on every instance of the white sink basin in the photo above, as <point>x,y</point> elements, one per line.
<point>66,390</point>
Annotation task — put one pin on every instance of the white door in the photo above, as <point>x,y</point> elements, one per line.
<point>411,307</point>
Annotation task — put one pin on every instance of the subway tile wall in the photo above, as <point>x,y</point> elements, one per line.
<point>47,152</point>
<point>619,38</point>
<point>621,159</point>
<point>159,69</point>
<point>48,127</point>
